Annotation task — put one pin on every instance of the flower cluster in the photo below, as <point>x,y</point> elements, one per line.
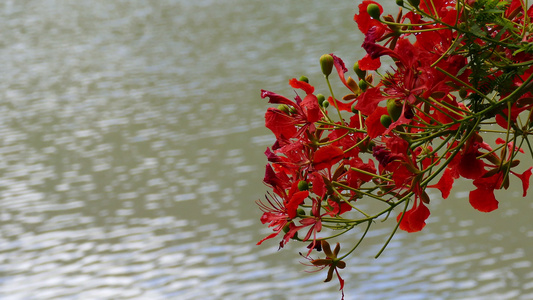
<point>461,75</point>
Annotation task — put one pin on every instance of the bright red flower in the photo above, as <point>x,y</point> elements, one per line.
<point>327,156</point>
<point>483,200</point>
<point>373,122</point>
<point>445,183</point>
<point>278,213</point>
<point>414,219</point>
<point>368,102</point>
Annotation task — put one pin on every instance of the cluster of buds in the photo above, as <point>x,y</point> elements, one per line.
<point>462,71</point>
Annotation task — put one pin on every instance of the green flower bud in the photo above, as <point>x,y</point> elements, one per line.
<point>363,85</point>
<point>414,3</point>
<point>385,121</point>
<point>284,108</point>
<point>394,110</point>
<point>303,78</point>
<point>325,104</point>
<point>303,185</point>
<point>326,63</point>
<point>292,110</point>
<point>373,11</point>
<point>462,92</point>
<point>300,212</point>
<point>355,111</point>
<point>360,73</point>
<point>286,228</point>
<point>320,99</point>
<point>399,3</point>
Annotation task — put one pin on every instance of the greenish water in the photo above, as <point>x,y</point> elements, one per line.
<point>131,154</point>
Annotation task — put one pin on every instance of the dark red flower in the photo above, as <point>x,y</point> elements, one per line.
<point>414,219</point>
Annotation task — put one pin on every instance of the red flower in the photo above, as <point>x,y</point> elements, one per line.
<point>445,183</point>
<point>373,122</point>
<point>284,124</point>
<point>483,198</point>
<point>330,261</point>
<point>414,219</point>
<point>279,213</point>
<point>327,156</point>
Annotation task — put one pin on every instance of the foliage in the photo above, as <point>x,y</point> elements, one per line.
<point>462,69</point>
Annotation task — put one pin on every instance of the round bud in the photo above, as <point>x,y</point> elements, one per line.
<point>355,111</point>
<point>414,3</point>
<point>363,85</point>
<point>373,10</point>
<point>325,104</point>
<point>284,108</point>
<point>399,3</point>
<point>394,110</point>
<point>320,99</point>
<point>360,73</point>
<point>292,110</point>
<point>385,121</point>
<point>300,212</point>
<point>326,63</point>
<point>303,185</point>
<point>303,78</point>
<point>462,92</point>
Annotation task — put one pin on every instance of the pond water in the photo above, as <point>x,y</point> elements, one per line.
<point>131,154</point>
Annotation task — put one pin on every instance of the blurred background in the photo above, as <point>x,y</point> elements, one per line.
<point>131,157</point>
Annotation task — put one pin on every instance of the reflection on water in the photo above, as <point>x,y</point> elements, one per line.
<point>131,155</point>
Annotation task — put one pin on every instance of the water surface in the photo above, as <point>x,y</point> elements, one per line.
<point>131,154</point>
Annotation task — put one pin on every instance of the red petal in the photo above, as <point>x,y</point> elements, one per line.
<point>483,200</point>
<point>525,180</point>
<point>279,123</point>
<point>368,102</point>
<point>327,156</point>
<point>313,110</point>
<point>445,183</point>
<point>471,168</point>
<point>364,21</point>
<point>275,98</point>
<point>295,201</point>
<point>414,219</point>
<point>319,187</point>
<point>373,122</point>
<point>404,225</point>
<point>417,219</point>
<point>367,63</point>
<point>306,87</point>
<point>341,105</point>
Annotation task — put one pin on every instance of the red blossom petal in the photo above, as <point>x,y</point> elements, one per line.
<point>363,20</point>
<point>327,156</point>
<point>369,64</point>
<point>483,200</point>
<point>282,125</point>
<point>295,201</point>
<point>525,180</point>
<point>338,209</point>
<point>275,98</point>
<point>319,187</point>
<point>469,167</point>
<point>341,105</point>
<point>313,110</point>
<point>306,87</point>
<point>368,102</point>
<point>445,183</point>
<point>414,219</point>
<point>418,217</point>
<point>373,122</point>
